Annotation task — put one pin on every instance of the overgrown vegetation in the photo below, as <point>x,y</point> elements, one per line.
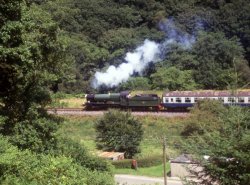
<point>24,167</point>
<point>31,151</point>
<point>222,133</point>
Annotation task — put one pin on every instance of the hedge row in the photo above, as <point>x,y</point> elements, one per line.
<point>142,162</point>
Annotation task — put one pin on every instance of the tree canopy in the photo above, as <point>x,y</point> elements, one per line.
<point>99,34</point>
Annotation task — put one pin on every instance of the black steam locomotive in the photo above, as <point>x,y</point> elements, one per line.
<point>123,100</point>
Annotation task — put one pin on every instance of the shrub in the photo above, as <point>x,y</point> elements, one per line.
<point>78,153</point>
<point>142,162</point>
<point>126,163</point>
<point>204,117</point>
<point>149,161</point>
<point>25,167</point>
<point>118,131</point>
<point>38,135</point>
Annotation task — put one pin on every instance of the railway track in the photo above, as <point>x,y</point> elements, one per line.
<point>80,111</point>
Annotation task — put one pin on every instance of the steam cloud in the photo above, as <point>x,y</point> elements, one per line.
<point>149,51</point>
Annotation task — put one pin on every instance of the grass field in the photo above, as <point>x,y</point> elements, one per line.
<point>72,102</point>
<point>80,129</point>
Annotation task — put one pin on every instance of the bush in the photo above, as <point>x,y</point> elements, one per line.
<point>38,135</point>
<point>142,162</point>
<point>126,163</point>
<point>25,167</point>
<point>120,132</point>
<point>204,117</point>
<point>149,161</point>
<point>78,153</point>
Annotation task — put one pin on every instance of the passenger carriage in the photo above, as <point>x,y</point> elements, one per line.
<point>185,99</point>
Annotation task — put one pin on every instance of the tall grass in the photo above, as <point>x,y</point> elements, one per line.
<point>62,100</point>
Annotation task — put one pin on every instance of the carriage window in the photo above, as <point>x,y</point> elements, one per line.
<point>196,99</point>
<point>221,99</point>
<point>241,99</point>
<point>166,100</point>
<point>248,99</point>
<point>178,100</point>
<point>187,100</point>
<point>231,99</point>
<point>172,99</point>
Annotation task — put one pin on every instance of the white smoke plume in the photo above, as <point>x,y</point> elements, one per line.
<point>137,61</point>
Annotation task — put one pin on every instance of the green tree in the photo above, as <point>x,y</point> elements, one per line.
<point>180,58</point>
<point>118,131</point>
<point>234,20</point>
<point>215,55</point>
<point>173,79</point>
<point>226,141</point>
<point>31,58</point>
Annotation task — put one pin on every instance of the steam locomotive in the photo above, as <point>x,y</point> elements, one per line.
<point>173,100</point>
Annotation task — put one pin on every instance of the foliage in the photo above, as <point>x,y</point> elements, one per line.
<point>225,138</point>
<point>24,167</point>
<point>173,79</point>
<point>217,58</point>
<point>98,34</point>
<point>204,117</point>
<point>29,47</point>
<point>118,131</point>
<point>138,83</point>
<point>37,135</point>
<point>78,153</point>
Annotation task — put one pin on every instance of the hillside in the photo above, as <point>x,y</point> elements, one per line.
<point>99,33</point>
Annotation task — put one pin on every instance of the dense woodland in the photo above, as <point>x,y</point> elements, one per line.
<point>58,45</point>
<point>98,33</point>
